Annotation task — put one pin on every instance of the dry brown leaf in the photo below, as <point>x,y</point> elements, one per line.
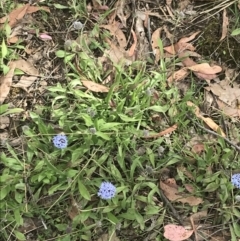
<point>178,75</point>
<point>170,49</point>
<point>97,5</point>
<point>189,62</point>
<point>25,82</point>
<point>19,13</point>
<point>26,67</point>
<point>117,55</point>
<point>173,194</point>
<point>198,148</point>
<point>6,82</point>
<point>115,30</point>
<point>207,120</point>
<point>132,49</point>
<point>94,86</point>
<point>183,44</point>
<point>205,68</point>
<point>224,25</point>
<point>187,39</point>
<point>199,216</point>
<point>226,93</point>
<point>162,133</point>
<point>15,15</point>
<point>155,45</point>
<point>228,110</point>
<point>33,9</point>
<point>190,188</point>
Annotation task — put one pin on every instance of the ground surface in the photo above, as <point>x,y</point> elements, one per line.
<point>142,94</point>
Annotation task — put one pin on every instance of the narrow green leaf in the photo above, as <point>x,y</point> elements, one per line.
<point>127,118</point>
<point>3,108</point>
<point>235,32</point>
<point>60,6</point>
<point>103,135</point>
<point>12,111</point>
<point>83,190</point>
<point>19,236</point>
<point>4,49</point>
<point>158,108</point>
<point>211,187</point>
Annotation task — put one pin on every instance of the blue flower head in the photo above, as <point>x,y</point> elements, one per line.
<point>60,141</point>
<point>107,190</point>
<point>235,180</point>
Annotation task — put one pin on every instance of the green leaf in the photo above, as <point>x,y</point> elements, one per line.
<point>158,108</point>
<point>60,6</point>
<point>83,190</point>
<point>139,219</point>
<point>3,108</point>
<point>19,235</point>
<point>12,111</point>
<point>4,192</point>
<point>236,228</point>
<point>233,235</point>
<point>108,126</point>
<point>4,49</point>
<point>60,53</point>
<point>127,118</point>
<point>17,216</point>
<point>87,119</point>
<point>235,32</point>
<point>103,135</point>
<point>211,187</point>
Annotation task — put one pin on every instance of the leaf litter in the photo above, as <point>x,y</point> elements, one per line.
<point>119,52</point>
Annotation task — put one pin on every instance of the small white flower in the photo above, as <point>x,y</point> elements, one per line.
<point>78,25</point>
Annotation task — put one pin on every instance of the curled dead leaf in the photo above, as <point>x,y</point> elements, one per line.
<point>205,68</point>
<point>134,45</point>
<point>207,120</point>
<point>94,86</point>
<point>115,30</point>
<point>6,82</point>
<point>162,133</point>
<point>178,75</point>
<point>172,193</point>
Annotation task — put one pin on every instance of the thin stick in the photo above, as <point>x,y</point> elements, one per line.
<point>216,134</point>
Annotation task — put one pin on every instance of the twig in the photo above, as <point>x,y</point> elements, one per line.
<point>216,134</point>
<point>173,210</point>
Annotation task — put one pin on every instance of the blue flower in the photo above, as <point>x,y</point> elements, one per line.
<point>107,190</point>
<point>235,180</point>
<point>60,141</point>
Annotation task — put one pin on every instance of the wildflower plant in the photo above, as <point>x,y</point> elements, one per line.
<point>107,190</point>
<point>235,180</point>
<point>60,141</point>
